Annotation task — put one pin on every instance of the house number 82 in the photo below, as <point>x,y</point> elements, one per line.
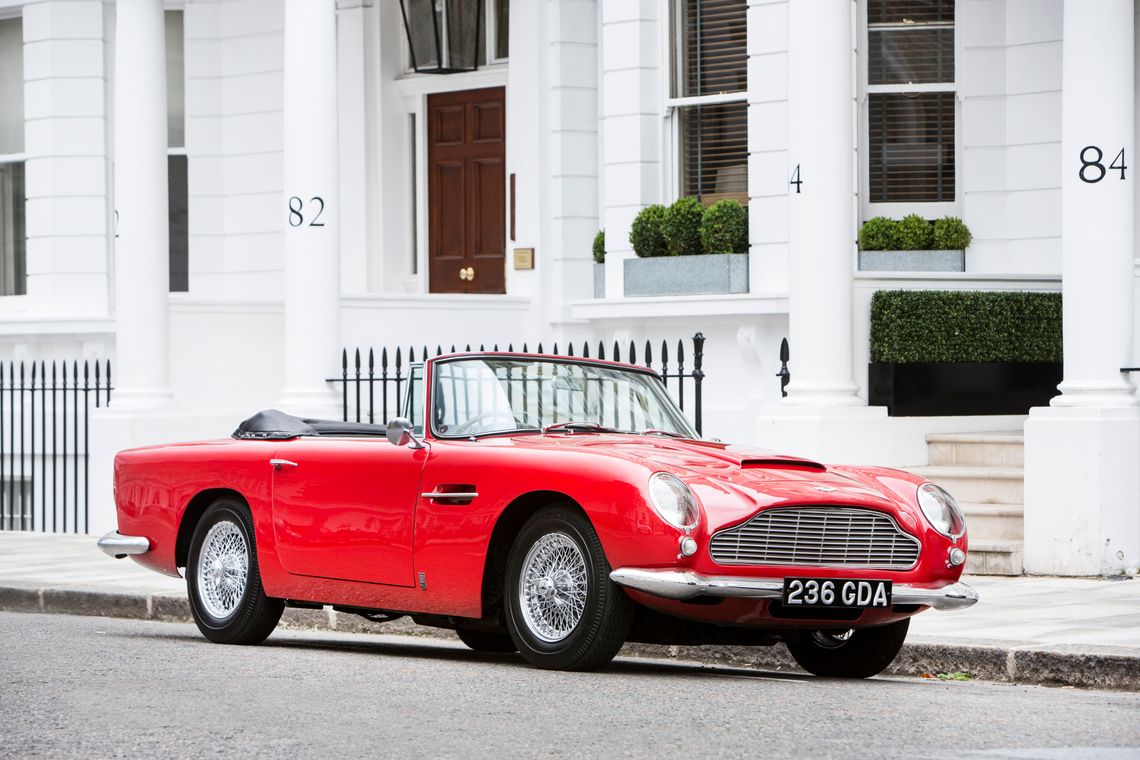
<point>296,212</point>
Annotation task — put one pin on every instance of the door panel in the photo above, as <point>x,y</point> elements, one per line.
<point>467,191</point>
<point>346,509</point>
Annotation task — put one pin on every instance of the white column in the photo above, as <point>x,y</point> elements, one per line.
<point>1096,217</point>
<point>821,244</point>
<point>142,267</point>
<point>311,227</point>
<point>1082,484</point>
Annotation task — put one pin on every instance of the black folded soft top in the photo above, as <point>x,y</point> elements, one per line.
<point>273,424</point>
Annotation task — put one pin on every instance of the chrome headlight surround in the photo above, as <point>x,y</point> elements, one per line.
<point>941,510</point>
<point>673,501</point>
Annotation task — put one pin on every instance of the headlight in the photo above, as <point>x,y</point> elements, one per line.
<point>941,510</point>
<point>673,501</point>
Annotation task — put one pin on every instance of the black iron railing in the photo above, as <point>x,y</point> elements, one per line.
<point>371,382</point>
<point>45,409</point>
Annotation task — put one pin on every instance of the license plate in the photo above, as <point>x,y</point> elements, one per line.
<point>836,592</point>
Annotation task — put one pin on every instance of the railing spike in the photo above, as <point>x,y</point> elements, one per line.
<point>617,352</point>
<point>344,359</point>
<point>632,358</point>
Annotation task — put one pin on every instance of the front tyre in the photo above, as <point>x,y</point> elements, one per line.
<point>222,578</point>
<point>563,611</point>
<point>848,654</point>
<point>486,641</point>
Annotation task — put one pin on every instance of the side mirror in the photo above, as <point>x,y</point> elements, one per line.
<point>401,433</point>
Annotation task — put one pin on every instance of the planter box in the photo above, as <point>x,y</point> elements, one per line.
<point>686,275</point>
<point>599,280</point>
<point>962,388</point>
<point>912,261</point>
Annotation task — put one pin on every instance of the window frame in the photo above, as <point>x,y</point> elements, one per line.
<point>673,163</point>
<point>179,150</point>
<point>899,209</point>
<point>6,159</point>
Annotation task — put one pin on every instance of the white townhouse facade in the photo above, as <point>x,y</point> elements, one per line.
<point>220,195</point>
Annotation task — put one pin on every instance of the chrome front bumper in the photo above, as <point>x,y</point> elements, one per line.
<point>119,546</point>
<point>685,584</point>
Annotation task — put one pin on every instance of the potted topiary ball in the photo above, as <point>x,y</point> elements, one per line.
<point>704,250</point>
<point>913,244</point>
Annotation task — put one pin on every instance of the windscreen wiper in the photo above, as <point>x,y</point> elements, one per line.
<point>571,426</point>
<point>668,433</point>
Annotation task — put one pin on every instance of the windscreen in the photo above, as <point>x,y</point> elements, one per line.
<point>492,395</point>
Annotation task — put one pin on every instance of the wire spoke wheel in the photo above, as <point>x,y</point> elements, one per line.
<point>223,569</point>
<point>554,588</point>
<point>562,610</point>
<point>223,580</point>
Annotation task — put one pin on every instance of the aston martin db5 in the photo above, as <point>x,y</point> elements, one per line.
<point>553,506</point>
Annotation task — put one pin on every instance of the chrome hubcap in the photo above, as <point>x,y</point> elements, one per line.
<point>552,594</point>
<point>223,569</point>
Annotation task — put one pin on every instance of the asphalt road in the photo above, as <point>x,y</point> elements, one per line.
<point>76,686</point>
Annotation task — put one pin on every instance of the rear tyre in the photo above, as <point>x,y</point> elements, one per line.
<point>222,578</point>
<point>486,641</point>
<point>848,654</point>
<point>563,611</point>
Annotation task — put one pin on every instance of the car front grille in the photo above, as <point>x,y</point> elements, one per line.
<point>818,536</point>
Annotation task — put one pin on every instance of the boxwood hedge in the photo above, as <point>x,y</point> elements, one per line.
<point>911,326</point>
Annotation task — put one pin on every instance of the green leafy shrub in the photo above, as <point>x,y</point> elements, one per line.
<point>878,234</point>
<point>911,326</point>
<point>682,227</point>
<point>600,247</point>
<point>951,234</point>
<point>724,227</point>
<point>913,233</point>
<point>646,234</point>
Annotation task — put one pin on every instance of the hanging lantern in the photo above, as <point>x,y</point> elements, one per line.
<point>443,35</point>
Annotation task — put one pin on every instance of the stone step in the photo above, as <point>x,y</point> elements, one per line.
<point>978,485</point>
<point>977,449</point>
<point>995,558</point>
<point>994,522</point>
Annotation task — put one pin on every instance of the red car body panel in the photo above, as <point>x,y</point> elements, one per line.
<point>348,525</point>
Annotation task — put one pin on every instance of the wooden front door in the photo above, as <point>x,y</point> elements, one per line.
<point>466,191</point>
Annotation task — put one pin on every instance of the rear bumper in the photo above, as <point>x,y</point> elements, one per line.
<point>119,546</point>
<point>685,584</point>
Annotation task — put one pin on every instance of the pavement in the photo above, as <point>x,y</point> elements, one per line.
<point>1082,632</point>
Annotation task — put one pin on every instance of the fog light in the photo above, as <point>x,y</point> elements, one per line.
<point>957,557</point>
<point>688,546</point>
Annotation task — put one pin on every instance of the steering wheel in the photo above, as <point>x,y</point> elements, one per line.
<point>476,423</point>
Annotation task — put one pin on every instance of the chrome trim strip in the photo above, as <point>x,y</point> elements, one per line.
<point>468,495</point>
<point>118,546</point>
<point>685,584</point>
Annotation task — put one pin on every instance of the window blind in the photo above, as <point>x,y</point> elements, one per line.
<point>911,152</point>
<point>714,46</point>
<point>714,151</point>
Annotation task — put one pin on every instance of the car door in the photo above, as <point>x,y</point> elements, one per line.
<point>344,508</point>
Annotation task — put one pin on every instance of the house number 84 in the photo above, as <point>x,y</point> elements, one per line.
<point>1092,170</point>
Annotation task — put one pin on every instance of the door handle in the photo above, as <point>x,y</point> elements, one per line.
<point>467,273</point>
<point>457,495</point>
<point>277,464</point>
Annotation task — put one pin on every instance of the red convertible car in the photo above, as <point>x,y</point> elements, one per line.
<point>554,506</point>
